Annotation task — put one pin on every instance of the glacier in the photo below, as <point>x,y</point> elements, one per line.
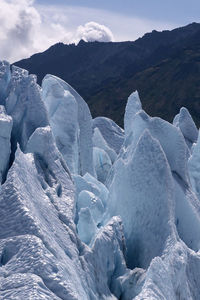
<point>88,210</point>
<point>71,123</point>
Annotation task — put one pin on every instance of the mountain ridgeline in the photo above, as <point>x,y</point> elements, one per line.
<point>163,66</point>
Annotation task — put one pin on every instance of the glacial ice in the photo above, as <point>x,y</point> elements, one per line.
<point>187,126</point>
<point>71,123</point>
<point>133,106</point>
<point>86,226</point>
<point>88,211</point>
<point>99,142</point>
<point>6,124</point>
<point>25,106</point>
<point>91,184</point>
<point>194,167</point>
<point>53,173</point>
<point>102,163</point>
<point>63,116</point>
<point>167,135</point>
<point>143,170</point>
<point>5,76</point>
<point>111,132</point>
<point>89,200</point>
<point>39,237</point>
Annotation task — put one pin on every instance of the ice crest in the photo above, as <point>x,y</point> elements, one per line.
<point>194,167</point>
<point>99,142</point>
<point>111,132</point>
<point>133,106</point>
<point>6,124</point>
<point>146,215</point>
<point>167,135</point>
<point>63,116</point>
<point>102,163</point>
<point>187,126</point>
<point>57,96</point>
<point>25,106</point>
<point>5,76</point>
<point>88,211</point>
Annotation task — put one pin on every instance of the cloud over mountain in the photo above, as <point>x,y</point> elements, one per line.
<point>24,30</point>
<point>93,31</point>
<point>28,26</point>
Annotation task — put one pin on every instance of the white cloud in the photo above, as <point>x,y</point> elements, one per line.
<point>23,31</point>
<point>18,20</point>
<point>93,31</point>
<point>26,28</point>
<point>123,27</point>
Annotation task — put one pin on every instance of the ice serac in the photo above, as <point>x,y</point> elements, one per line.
<point>107,257</point>
<point>39,247</point>
<point>5,146</point>
<point>102,163</point>
<point>86,226</point>
<point>141,193</point>
<point>100,186</point>
<point>55,90</point>
<point>5,76</point>
<point>111,132</point>
<point>53,173</point>
<point>63,233</point>
<point>91,184</point>
<point>89,200</point>
<point>99,142</point>
<point>25,106</point>
<point>172,276</point>
<point>187,126</point>
<point>133,106</point>
<point>194,168</point>
<point>63,116</point>
<point>187,214</point>
<point>169,137</point>
<point>32,223</point>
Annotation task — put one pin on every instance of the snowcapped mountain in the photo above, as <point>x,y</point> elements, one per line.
<point>90,211</point>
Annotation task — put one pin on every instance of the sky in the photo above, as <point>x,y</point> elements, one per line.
<point>31,26</point>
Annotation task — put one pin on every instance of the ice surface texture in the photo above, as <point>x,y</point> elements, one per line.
<point>5,75</point>
<point>71,124</point>
<point>6,124</point>
<point>88,211</point>
<point>99,142</point>
<point>187,126</point>
<point>111,132</point>
<point>25,106</point>
<point>146,215</point>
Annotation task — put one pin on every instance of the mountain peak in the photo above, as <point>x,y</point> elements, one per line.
<point>113,69</point>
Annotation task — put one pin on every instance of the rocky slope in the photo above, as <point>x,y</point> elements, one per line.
<point>163,66</point>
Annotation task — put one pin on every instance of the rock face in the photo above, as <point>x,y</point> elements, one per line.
<point>106,73</point>
<point>88,211</point>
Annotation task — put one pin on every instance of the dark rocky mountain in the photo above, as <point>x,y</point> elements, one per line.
<point>163,66</point>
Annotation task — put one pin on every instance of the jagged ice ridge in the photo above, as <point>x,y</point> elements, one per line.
<point>90,211</point>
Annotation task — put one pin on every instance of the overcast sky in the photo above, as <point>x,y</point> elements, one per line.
<point>28,26</point>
